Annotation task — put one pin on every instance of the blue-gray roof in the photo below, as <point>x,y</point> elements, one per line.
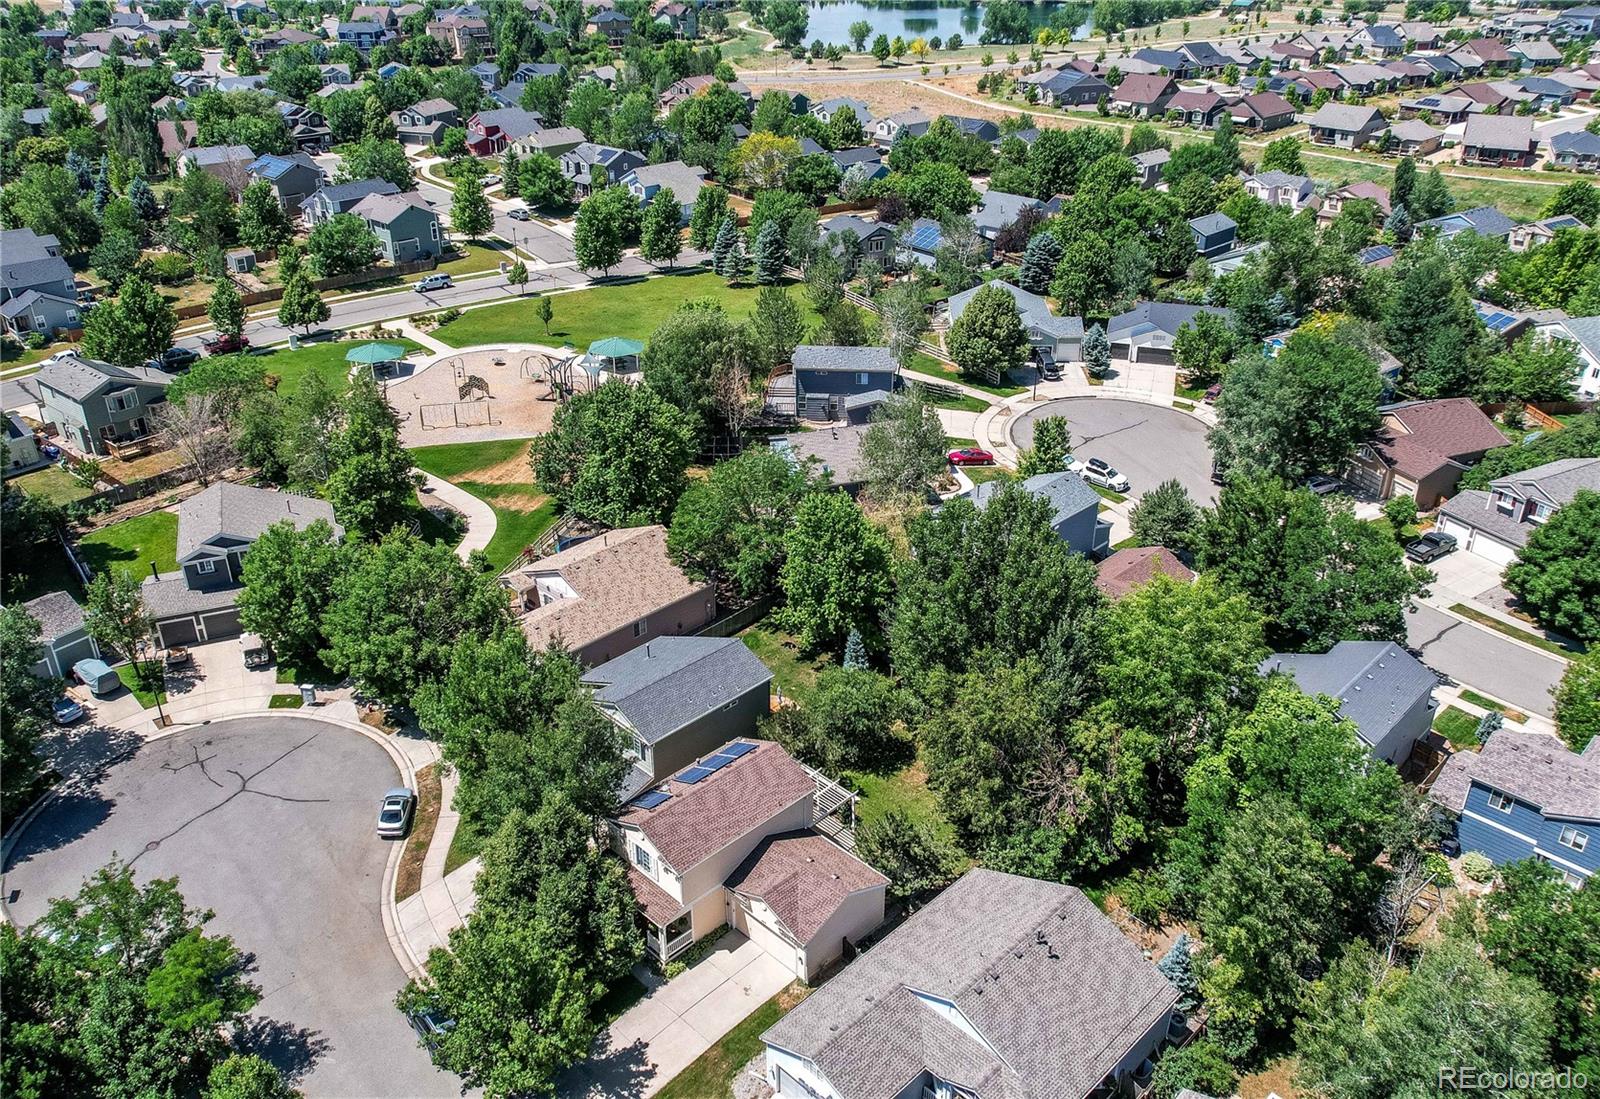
<point>341,194</point>
<point>1211,224</point>
<point>1486,221</point>
<point>1067,493</point>
<point>1376,682</point>
<point>1582,142</point>
<point>667,683</point>
<point>830,357</point>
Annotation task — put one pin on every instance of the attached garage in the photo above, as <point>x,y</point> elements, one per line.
<point>62,636</point>
<point>221,625</point>
<point>754,919</point>
<point>1162,356</point>
<point>1476,541</point>
<point>178,631</point>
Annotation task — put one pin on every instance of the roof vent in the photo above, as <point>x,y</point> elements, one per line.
<point>1038,935</point>
<point>835,877</point>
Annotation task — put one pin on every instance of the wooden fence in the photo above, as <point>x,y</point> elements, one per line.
<point>726,625</point>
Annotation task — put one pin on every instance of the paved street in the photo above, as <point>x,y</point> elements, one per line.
<point>1477,657</point>
<point>1147,443</point>
<point>268,821</point>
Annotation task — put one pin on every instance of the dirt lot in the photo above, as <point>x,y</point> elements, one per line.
<point>433,410</point>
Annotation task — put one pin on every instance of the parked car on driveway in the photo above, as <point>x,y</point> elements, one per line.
<point>1097,471</point>
<point>175,359</point>
<point>434,282</point>
<point>225,344</point>
<point>1212,393</point>
<point>394,815</point>
<point>1431,547</point>
<point>66,710</point>
<point>1322,485</point>
<point>971,456</point>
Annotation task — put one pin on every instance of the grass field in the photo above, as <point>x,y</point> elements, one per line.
<point>495,472</point>
<point>134,544</point>
<point>1457,726</point>
<point>56,485</point>
<point>327,359</point>
<point>795,673</point>
<point>130,679</point>
<point>632,307</point>
<point>927,364</point>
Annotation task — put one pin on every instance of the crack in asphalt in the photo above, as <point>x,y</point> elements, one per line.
<point>1087,439</point>
<point>244,788</point>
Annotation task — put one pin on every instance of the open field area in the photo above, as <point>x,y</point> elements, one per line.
<point>496,472</point>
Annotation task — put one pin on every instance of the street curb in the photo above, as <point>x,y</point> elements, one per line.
<point>1536,650</point>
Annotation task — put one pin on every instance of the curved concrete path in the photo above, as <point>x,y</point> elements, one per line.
<point>480,516</point>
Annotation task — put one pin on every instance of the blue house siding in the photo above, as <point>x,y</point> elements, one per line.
<point>1523,832</point>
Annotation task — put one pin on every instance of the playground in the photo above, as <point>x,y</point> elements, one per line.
<point>483,394</point>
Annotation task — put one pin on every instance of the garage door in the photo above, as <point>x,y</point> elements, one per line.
<point>1161,355</point>
<point>767,939</point>
<point>1364,478</point>
<point>222,624</point>
<point>179,631</point>
<point>1119,351</point>
<point>74,651</point>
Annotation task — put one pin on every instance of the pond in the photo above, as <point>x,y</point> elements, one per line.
<point>830,19</point>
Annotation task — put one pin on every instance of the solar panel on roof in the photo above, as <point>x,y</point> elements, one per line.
<point>736,749</point>
<point>716,762</point>
<point>695,774</point>
<point>651,800</point>
<point>925,237</point>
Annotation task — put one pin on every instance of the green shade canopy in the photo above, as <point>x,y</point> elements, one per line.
<point>615,347</point>
<point>376,353</point>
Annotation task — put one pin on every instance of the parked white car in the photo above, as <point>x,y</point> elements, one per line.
<point>1097,471</point>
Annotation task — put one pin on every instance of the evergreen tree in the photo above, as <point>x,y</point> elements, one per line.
<point>770,254</point>
<point>1177,966</point>
<point>1398,225</point>
<point>1097,351</point>
<point>1226,144</point>
<point>143,200</point>
<point>738,265</point>
<point>722,247</point>
<point>1039,262</point>
<point>1431,197</point>
<point>855,651</point>
<point>1405,180</point>
<point>102,186</point>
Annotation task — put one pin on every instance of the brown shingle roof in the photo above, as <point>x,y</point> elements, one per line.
<point>1434,433</point>
<point>803,878</point>
<point>1128,568</point>
<point>657,904</point>
<point>1142,89</point>
<point>702,818</point>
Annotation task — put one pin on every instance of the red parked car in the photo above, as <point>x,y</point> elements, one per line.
<point>971,456</point>
<point>225,345</point>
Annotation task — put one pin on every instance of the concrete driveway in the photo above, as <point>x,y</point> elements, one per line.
<point>1149,444</point>
<point>658,1037</point>
<point>269,822</point>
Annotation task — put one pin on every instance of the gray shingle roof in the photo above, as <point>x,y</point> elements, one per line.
<point>1582,142</point>
<point>1499,131</point>
<point>665,684</point>
<point>344,194</point>
<point>1067,493</point>
<point>1486,221</point>
<point>1532,767</point>
<point>1211,224</point>
<point>241,511</point>
<point>1034,310</point>
<point>681,179</point>
<point>1162,316</point>
<point>78,378</point>
<point>1055,990</point>
<point>1346,118</point>
<point>171,596</point>
<point>1475,508</point>
<point>57,613</point>
<point>1376,682</point>
<point>846,359</point>
<point>1554,483</point>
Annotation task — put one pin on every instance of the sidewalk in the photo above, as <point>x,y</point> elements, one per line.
<point>480,517</point>
<point>444,901</point>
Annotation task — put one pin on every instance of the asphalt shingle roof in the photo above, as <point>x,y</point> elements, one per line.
<point>1555,483</point>
<point>1376,682</point>
<point>1067,493</point>
<point>78,378</point>
<point>843,359</point>
<point>1532,767</point>
<point>666,683</point>
<point>57,613</point>
<point>804,878</point>
<point>241,511</point>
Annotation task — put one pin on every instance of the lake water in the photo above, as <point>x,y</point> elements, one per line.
<point>831,19</point>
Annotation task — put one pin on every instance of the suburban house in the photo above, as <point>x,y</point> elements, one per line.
<point>462,35</point>
<point>913,123</point>
<point>1498,140</point>
<point>229,163</point>
<point>407,228</point>
<point>1280,189</point>
<point>1579,151</point>
<point>1584,335</point>
<point>1071,88</point>
<point>835,452</point>
<point>1143,96</point>
<point>997,211</point>
<point>549,141</point>
<point>840,384</point>
<point>425,123</point>
<point>363,36</point>
<point>1532,234</point>
<point>609,594</point>
<point>38,292</point>
<point>1345,126</point>
<point>98,408</point>
<point>1384,690</point>
<point>827,108</point>
<point>678,698</point>
<point>216,528</point>
<point>176,135</point>
<point>870,157</point>
<point>1382,39</point>
<point>1333,203</point>
<point>730,841</point>
<point>613,24</point>
<point>1075,509</point>
<point>1526,795</point>
<point>873,238</point>
<point>1197,108</point>
<point>999,986</point>
<point>1061,336</point>
<point>1262,112</point>
<point>22,447</point>
<point>1135,566</point>
<point>1444,110</point>
<point>679,18</point>
<point>1486,221</point>
<point>294,178</point>
<point>63,640</point>
<point>685,183</point>
<point>582,163</point>
<point>489,132</point>
<point>1146,332</point>
<point>1495,524</point>
<point>341,198</point>
<point>1422,449</point>
<point>1213,233</point>
<point>1415,137</point>
<point>1149,165</point>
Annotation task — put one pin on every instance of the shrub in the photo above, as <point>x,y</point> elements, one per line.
<point>170,268</point>
<point>35,341</point>
<point>1477,866</point>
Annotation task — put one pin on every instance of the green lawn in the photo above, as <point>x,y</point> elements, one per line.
<point>633,307</point>
<point>979,474</point>
<point>924,363</point>
<point>130,680</point>
<point>463,847</point>
<point>1108,494</point>
<point>285,702</point>
<point>905,790</point>
<point>484,255</point>
<point>795,673</point>
<point>1509,630</point>
<point>327,359</point>
<point>1490,704</point>
<point>454,461</point>
<point>54,484</point>
<point>960,403</point>
<point>710,1076</point>
<point>134,544</point>
<point>521,511</point>
<point>1457,726</point>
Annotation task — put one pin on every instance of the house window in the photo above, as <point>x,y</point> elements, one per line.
<point>862,377</point>
<point>205,566</point>
<point>72,316</point>
<point>1499,801</point>
<point>1571,837</point>
<point>640,628</point>
<point>641,858</point>
<point>434,228</point>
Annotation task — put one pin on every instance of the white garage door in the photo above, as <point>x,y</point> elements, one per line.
<point>1475,541</point>
<point>767,939</point>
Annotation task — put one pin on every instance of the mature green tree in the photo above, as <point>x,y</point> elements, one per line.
<point>401,606</point>
<point>902,321</point>
<point>1283,155</point>
<point>616,455</point>
<point>1579,198</point>
<point>659,241</point>
<point>554,926</point>
<point>835,575</point>
<point>911,853</point>
<point>1578,701</point>
<point>1533,369</point>
<point>132,328</point>
<point>470,215</point>
<point>1204,346</point>
<point>1405,180</point>
<point>689,356</point>
<point>517,275</point>
<point>1372,1033</point>
<point>848,723</point>
<point>1580,439</point>
<point>1096,351</point>
<point>1165,516</point>
<point>25,713</point>
<point>903,450</point>
<point>776,327</point>
<point>1039,262</point>
<point>46,199</point>
<point>290,577</point>
<point>733,523</point>
<point>341,245</point>
<point>369,480</point>
<point>226,309</point>
<point>607,221</point>
<point>1557,574</point>
<point>709,208</point>
<point>540,182</point>
<point>263,224</point>
<point>1051,450</point>
<point>723,245</point>
<point>1431,197</point>
<point>114,613</point>
<point>786,19</point>
<point>1200,1066</point>
<point>988,340</point>
<point>247,1076</point>
<point>229,380</point>
<point>1319,574</point>
<point>769,255</point>
<point>1301,412</point>
<point>115,257</point>
<point>374,158</point>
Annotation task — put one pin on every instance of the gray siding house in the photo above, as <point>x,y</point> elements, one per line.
<point>406,228</point>
<point>1382,688</point>
<point>37,290</point>
<point>294,178</point>
<point>62,635</point>
<point>583,163</point>
<point>1061,336</point>
<point>842,383</point>
<point>341,198</point>
<point>677,699</point>
<point>684,181</point>
<point>215,530</point>
<point>95,405</point>
<point>1075,509</point>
